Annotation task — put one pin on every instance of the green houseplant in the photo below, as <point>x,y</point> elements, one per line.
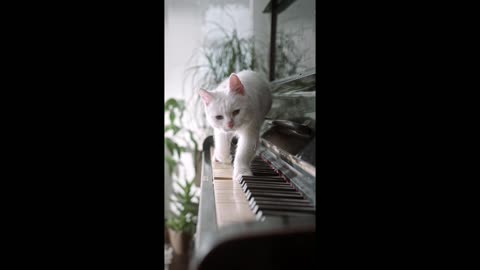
<point>180,140</point>
<point>182,224</point>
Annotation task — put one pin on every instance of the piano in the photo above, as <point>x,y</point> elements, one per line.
<point>268,220</point>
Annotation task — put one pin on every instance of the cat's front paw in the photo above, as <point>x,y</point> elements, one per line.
<point>222,158</point>
<point>238,173</point>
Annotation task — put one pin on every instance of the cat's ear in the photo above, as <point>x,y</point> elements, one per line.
<point>236,85</point>
<point>206,96</point>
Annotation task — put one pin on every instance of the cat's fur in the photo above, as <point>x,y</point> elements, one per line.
<point>245,91</point>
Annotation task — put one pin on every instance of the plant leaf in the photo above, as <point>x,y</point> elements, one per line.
<point>171,163</point>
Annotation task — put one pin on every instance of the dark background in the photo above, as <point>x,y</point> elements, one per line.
<point>84,120</point>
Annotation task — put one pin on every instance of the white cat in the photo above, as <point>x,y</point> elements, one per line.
<point>237,108</point>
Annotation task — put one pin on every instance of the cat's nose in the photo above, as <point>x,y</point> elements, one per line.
<point>230,124</point>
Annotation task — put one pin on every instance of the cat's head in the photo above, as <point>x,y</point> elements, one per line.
<point>227,110</point>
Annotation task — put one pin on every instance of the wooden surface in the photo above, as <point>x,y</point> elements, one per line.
<point>230,201</point>
<point>179,262</point>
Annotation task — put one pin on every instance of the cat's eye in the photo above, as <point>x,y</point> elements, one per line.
<point>219,117</point>
<point>236,112</point>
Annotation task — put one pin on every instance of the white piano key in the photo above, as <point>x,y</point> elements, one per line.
<point>219,198</point>
<point>226,185</point>
<point>231,204</point>
<point>228,213</point>
<point>223,173</point>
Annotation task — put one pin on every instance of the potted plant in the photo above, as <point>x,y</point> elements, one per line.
<point>181,225</point>
<point>179,140</point>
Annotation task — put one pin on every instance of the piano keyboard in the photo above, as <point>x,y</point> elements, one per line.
<point>261,196</point>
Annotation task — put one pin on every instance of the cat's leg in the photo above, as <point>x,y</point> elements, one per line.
<point>222,146</point>
<point>245,152</point>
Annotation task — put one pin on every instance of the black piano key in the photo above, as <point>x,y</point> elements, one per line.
<point>263,164</point>
<point>258,194</point>
<point>281,205</point>
<point>284,208</point>
<point>254,177</point>
<point>266,183</point>
<point>263,173</point>
<point>286,220</point>
<point>273,184</point>
<point>269,172</point>
<point>266,169</point>
<point>274,173</point>
<point>255,193</point>
<point>257,170</point>
<point>252,203</point>
<point>246,178</point>
<point>266,213</point>
<point>263,178</point>
<point>267,188</point>
<point>280,200</point>
<point>261,191</point>
<point>274,178</point>
<point>273,203</point>
<point>266,179</point>
<point>247,186</point>
<point>260,164</point>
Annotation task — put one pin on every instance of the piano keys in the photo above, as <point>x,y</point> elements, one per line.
<point>230,203</point>
<point>270,208</point>
<point>257,197</point>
